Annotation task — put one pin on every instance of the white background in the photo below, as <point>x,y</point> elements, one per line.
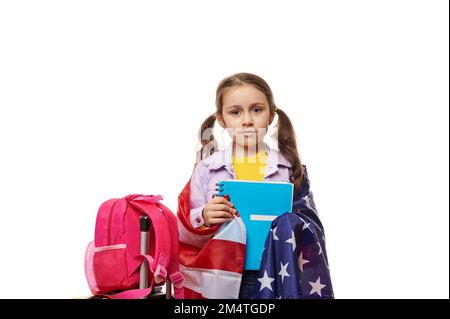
<point>99,99</point>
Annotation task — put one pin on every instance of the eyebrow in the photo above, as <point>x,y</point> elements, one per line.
<point>236,105</point>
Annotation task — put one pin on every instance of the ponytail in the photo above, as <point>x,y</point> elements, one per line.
<point>207,139</point>
<point>288,147</point>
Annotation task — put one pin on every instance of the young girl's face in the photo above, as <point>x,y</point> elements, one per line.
<point>245,114</point>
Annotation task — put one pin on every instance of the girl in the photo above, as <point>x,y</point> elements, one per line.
<point>211,252</point>
<point>245,108</point>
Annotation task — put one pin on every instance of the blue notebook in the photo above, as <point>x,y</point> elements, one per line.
<point>258,203</point>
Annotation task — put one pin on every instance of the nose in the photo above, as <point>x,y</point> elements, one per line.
<point>247,120</point>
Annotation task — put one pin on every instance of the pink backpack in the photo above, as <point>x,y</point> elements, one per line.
<point>113,259</point>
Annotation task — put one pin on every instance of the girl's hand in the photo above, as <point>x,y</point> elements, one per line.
<point>218,211</point>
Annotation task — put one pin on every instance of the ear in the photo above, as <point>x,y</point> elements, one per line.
<point>220,120</point>
<point>272,116</point>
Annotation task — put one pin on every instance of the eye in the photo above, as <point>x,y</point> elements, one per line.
<point>235,112</point>
<point>257,109</point>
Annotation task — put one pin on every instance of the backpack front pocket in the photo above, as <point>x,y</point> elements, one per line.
<point>110,267</point>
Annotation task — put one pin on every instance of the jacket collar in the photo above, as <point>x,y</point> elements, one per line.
<point>224,158</point>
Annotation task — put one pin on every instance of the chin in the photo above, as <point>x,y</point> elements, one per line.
<point>249,143</point>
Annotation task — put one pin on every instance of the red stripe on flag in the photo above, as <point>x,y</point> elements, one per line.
<point>191,294</point>
<point>184,210</point>
<point>232,255</point>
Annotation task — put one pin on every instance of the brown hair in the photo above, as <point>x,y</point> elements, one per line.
<point>286,135</point>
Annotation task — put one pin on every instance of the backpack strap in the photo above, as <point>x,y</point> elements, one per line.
<point>177,279</point>
<point>140,293</point>
<point>173,268</point>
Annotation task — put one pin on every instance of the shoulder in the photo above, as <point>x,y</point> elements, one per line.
<point>214,161</point>
<point>282,161</point>
<point>205,165</point>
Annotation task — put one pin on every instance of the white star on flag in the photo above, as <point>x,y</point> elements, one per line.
<point>320,249</point>
<point>274,235</point>
<point>266,282</point>
<point>302,261</point>
<point>306,225</point>
<point>292,241</point>
<point>308,203</point>
<point>316,287</point>
<point>283,272</point>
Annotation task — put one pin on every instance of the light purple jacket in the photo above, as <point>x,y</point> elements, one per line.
<point>219,166</point>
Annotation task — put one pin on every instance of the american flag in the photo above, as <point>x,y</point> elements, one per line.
<point>212,258</point>
<point>294,262</point>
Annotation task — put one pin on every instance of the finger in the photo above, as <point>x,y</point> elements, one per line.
<point>220,210</point>
<point>220,207</point>
<point>215,221</point>
<point>221,200</point>
<point>229,209</point>
<point>219,213</point>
